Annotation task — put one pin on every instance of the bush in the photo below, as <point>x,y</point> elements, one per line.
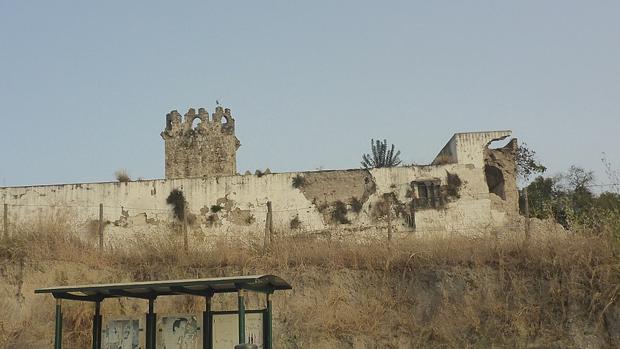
<point>356,205</point>
<point>299,181</point>
<point>177,200</point>
<point>454,185</point>
<point>339,213</point>
<point>295,222</point>
<point>122,176</point>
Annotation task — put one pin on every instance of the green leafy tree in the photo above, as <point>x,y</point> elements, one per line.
<point>381,156</point>
<point>541,194</point>
<point>608,201</point>
<point>527,165</point>
<point>579,181</point>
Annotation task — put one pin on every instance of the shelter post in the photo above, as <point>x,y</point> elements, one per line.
<point>269,331</point>
<point>58,329</point>
<point>151,323</point>
<point>207,325</point>
<point>241,308</point>
<point>97,326</point>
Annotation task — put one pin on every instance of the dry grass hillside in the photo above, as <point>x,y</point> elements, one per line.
<point>551,292</point>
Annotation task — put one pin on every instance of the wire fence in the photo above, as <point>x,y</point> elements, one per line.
<point>398,224</point>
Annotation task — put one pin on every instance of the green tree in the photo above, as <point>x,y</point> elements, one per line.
<point>579,181</point>
<point>527,165</point>
<point>541,194</point>
<point>608,201</point>
<point>380,155</point>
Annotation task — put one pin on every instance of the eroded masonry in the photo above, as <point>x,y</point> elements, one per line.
<point>200,145</point>
<point>469,188</point>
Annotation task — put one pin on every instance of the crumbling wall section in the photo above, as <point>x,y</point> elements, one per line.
<point>472,191</point>
<point>501,176</point>
<point>234,206</point>
<point>468,147</point>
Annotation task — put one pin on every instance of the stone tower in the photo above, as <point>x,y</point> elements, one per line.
<point>206,148</point>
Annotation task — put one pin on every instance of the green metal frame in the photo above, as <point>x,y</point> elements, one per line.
<point>266,321</point>
<point>266,284</point>
<point>241,317</point>
<point>58,328</point>
<point>97,323</point>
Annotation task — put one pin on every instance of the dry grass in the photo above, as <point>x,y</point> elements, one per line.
<point>442,292</point>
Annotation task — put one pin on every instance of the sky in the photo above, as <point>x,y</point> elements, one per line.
<point>85,86</point>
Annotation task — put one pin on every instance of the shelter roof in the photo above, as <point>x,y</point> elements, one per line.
<point>153,289</point>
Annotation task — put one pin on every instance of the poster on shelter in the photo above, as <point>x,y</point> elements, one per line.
<point>178,332</point>
<point>121,334</point>
<point>226,330</point>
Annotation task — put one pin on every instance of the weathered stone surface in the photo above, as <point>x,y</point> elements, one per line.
<point>205,150</point>
<point>320,200</point>
<point>501,176</point>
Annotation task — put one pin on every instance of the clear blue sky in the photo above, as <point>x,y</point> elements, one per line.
<point>85,86</point>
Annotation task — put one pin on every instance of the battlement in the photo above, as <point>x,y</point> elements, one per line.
<point>221,120</point>
<point>203,149</point>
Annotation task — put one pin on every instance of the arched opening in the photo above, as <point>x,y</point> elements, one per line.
<point>225,120</point>
<point>196,123</point>
<point>495,181</point>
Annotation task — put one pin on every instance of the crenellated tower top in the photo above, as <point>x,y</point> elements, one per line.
<point>205,148</point>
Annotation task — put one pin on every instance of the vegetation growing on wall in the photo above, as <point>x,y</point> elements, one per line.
<point>177,200</point>
<point>356,204</point>
<point>454,185</point>
<point>122,176</point>
<point>380,155</point>
<point>390,204</point>
<point>211,219</point>
<point>299,181</point>
<point>295,222</point>
<point>339,213</point>
<point>250,219</point>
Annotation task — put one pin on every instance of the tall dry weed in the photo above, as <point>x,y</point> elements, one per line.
<point>452,292</point>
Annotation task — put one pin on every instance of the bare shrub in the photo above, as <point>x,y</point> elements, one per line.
<point>299,181</point>
<point>356,205</point>
<point>438,292</point>
<point>295,222</point>
<point>122,176</point>
<point>454,185</point>
<point>339,213</point>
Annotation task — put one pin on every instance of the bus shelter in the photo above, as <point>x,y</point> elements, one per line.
<point>149,291</point>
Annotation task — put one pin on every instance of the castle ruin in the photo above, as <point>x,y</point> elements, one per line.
<point>469,188</point>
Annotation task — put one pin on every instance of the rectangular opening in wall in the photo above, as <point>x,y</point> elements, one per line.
<point>428,194</point>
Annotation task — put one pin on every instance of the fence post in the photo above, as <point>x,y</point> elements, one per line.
<point>412,212</point>
<point>100,230</point>
<point>185,237</point>
<point>6,220</point>
<point>389,219</point>
<point>268,227</point>
<point>527,213</point>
